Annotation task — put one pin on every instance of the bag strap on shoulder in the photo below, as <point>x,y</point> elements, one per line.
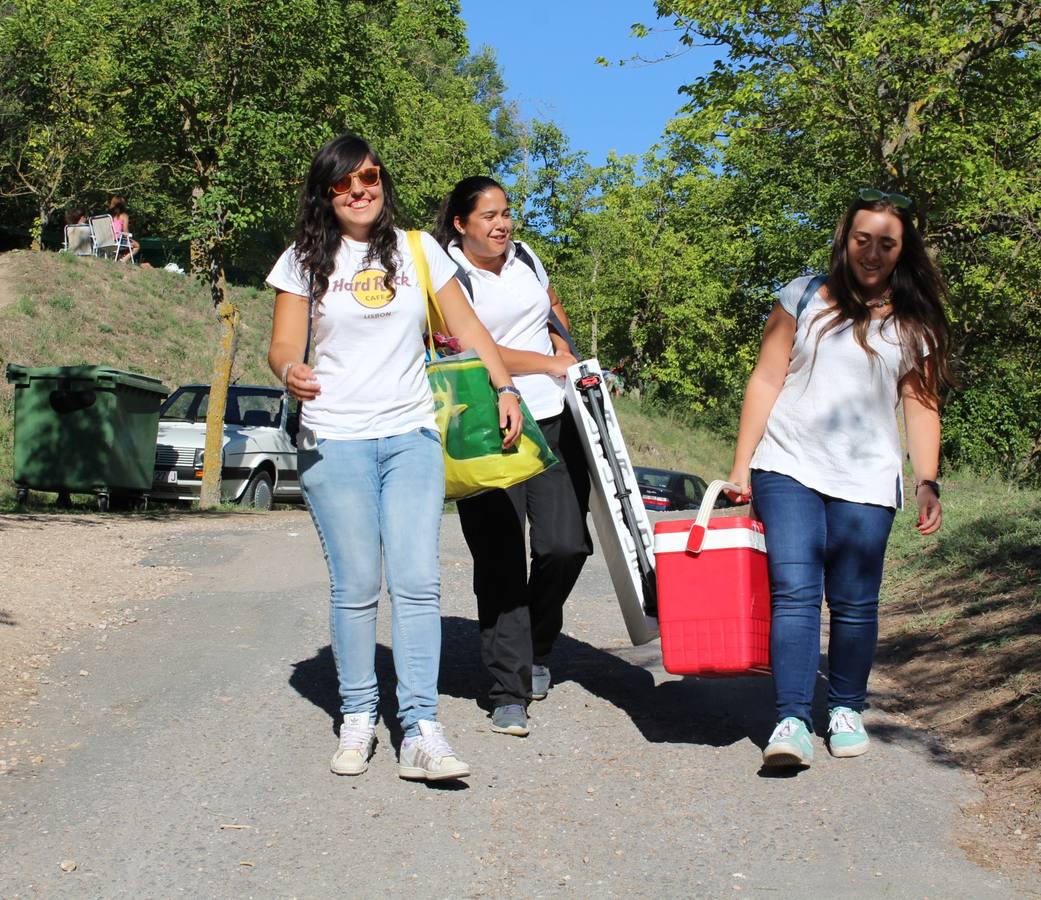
<point>807,295</point>
<point>435,318</point>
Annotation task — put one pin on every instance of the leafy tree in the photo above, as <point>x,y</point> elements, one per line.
<point>934,99</point>
<point>235,97</point>
<point>63,131</point>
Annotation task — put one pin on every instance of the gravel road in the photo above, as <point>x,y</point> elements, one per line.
<point>187,755</point>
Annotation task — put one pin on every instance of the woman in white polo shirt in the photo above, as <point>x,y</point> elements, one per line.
<point>819,453</point>
<point>520,610</point>
<point>370,459</point>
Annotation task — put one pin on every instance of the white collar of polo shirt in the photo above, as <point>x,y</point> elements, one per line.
<point>455,250</point>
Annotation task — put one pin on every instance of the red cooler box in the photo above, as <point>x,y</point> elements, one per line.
<point>713,593</point>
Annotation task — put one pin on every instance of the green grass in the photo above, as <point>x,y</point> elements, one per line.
<point>990,544</point>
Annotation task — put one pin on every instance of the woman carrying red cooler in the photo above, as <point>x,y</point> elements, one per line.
<point>818,452</point>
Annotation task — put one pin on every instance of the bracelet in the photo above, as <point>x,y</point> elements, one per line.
<point>508,389</point>
<point>285,373</point>
<point>935,485</point>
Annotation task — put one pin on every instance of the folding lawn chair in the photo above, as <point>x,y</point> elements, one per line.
<point>79,240</point>
<point>105,239</point>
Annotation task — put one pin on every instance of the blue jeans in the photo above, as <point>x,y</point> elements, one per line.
<point>820,546</point>
<point>373,501</point>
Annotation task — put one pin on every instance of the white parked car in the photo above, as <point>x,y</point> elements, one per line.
<point>258,459</point>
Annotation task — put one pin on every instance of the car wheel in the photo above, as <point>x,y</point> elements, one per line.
<point>259,492</point>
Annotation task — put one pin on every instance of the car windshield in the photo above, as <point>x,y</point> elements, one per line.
<point>251,407</point>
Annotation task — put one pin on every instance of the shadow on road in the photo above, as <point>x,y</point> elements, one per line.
<point>715,712</point>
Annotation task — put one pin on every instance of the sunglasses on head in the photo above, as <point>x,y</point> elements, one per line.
<point>367,177</point>
<point>873,195</point>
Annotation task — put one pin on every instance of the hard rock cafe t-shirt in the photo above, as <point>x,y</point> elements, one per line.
<point>368,345</point>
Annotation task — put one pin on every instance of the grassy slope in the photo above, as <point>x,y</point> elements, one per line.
<point>70,311</point>
<point>961,623</point>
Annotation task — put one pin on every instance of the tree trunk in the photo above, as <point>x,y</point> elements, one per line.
<point>592,334</point>
<point>38,225</point>
<point>228,316</point>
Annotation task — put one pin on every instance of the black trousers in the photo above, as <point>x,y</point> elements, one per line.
<point>521,611</point>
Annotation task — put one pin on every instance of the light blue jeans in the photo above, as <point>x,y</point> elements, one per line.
<point>373,501</point>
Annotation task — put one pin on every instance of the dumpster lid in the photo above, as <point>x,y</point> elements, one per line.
<point>104,376</point>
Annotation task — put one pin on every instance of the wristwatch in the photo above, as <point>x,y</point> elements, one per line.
<point>935,485</point>
<point>508,389</point>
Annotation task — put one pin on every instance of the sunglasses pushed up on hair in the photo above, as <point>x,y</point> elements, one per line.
<point>367,177</point>
<point>873,195</point>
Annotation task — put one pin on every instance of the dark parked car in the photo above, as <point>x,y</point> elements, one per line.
<point>662,489</point>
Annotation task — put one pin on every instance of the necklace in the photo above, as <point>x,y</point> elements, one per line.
<point>879,302</point>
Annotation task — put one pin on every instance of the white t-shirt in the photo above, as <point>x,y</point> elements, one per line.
<point>833,427</point>
<point>514,306</point>
<point>368,352</point>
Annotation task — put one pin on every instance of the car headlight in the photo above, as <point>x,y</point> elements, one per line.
<point>200,458</point>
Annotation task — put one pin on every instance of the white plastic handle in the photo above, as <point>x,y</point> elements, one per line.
<point>696,536</point>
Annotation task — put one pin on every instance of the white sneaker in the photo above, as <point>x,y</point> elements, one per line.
<point>428,756</point>
<point>357,741</point>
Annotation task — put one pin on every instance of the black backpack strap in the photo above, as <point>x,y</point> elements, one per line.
<point>558,326</point>
<point>463,277</point>
<point>554,320</point>
<point>807,295</point>
<point>525,257</point>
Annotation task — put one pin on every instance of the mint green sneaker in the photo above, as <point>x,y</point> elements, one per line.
<point>789,745</point>
<point>846,733</point>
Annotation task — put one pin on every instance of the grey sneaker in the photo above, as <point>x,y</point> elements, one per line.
<point>510,719</point>
<point>540,682</point>
<point>428,756</point>
<point>357,741</point>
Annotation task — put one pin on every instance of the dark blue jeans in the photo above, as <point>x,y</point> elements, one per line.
<point>819,546</point>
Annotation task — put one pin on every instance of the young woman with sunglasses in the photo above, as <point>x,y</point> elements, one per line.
<point>818,452</point>
<point>370,459</point>
<point>520,612</point>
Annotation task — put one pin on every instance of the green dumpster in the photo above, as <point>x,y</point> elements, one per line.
<point>84,429</point>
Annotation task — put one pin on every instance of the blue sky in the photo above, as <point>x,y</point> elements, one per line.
<point>547,50</point>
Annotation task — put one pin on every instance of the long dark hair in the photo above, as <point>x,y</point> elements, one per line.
<point>459,204</point>
<point>918,296</point>
<point>318,234</point>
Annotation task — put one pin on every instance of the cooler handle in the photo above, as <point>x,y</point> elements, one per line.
<point>696,536</point>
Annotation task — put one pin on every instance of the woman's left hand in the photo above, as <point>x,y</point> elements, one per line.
<point>510,419</point>
<point>930,513</point>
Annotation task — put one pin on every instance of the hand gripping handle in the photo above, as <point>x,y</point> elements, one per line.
<point>696,537</point>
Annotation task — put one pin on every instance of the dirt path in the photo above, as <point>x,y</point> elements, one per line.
<point>7,292</point>
<point>184,749</point>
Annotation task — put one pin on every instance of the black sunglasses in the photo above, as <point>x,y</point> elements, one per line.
<point>873,195</point>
